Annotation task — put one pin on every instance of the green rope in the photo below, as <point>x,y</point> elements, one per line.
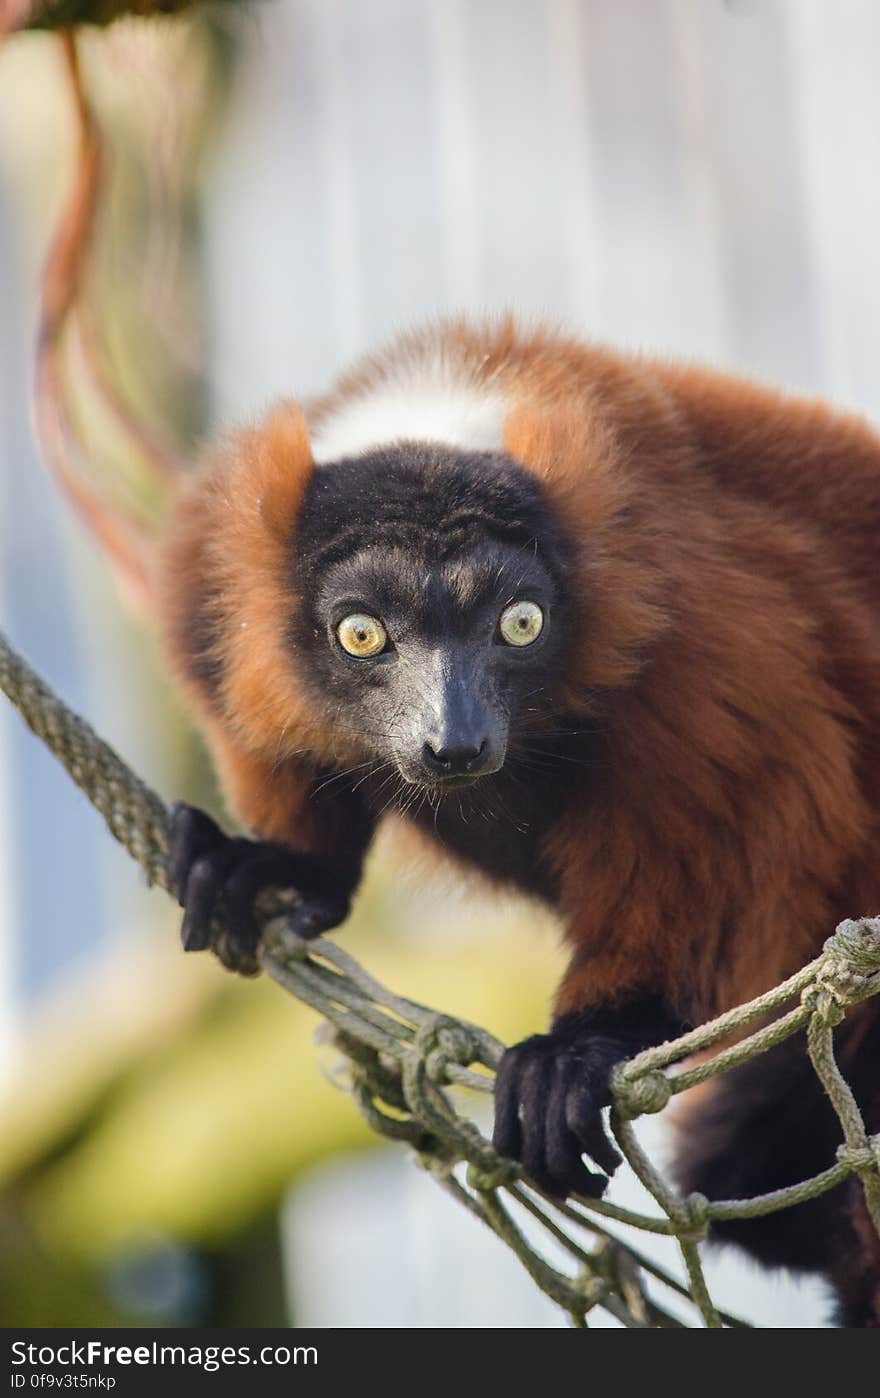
<point>406,1060</point>
<point>134,814</point>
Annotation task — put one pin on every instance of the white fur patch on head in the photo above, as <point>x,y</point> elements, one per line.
<point>425,406</point>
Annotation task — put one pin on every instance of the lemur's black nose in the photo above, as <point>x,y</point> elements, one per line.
<point>454,760</point>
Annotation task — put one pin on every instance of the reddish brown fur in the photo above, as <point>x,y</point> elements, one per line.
<point>729,540</point>
<point>730,624</point>
<point>226,554</point>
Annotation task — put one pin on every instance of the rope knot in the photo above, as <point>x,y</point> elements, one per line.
<point>825,1001</point>
<point>852,959</point>
<point>434,1160</point>
<point>592,1288</point>
<point>485,1177</point>
<point>862,1160</point>
<point>640,1096</point>
<point>692,1218</point>
<point>440,1041</point>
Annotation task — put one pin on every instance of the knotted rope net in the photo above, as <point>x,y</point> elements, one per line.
<point>407,1063</point>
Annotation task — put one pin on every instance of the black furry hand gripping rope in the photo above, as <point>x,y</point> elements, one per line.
<point>551,1090</point>
<point>213,874</point>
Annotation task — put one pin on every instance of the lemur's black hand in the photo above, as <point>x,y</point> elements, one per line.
<point>211,872</point>
<point>551,1088</point>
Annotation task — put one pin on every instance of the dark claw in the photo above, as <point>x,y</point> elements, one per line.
<point>568,1173</point>
<point>585,1123</point>
<point>257,867</point>
<point>191,834</point>
<point>200,899</point>
<point>563,1152</point>
<point>534,1087</point>
<point>507,1136</point>
<point>217,875</point>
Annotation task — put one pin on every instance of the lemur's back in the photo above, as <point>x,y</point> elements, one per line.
<point>817,465</point>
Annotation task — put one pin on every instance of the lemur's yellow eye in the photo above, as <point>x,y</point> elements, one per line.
<point>361,635</point>
<point>521,623</point>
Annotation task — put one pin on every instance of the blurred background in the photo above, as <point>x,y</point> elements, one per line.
<point>286,184</point>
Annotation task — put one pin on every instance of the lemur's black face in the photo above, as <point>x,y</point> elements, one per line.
<point>432,609</point>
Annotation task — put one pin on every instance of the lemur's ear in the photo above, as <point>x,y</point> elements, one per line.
<point>222,578</point>
<point>606,514</point>
<point>565,446</point>
<point>279,461</point>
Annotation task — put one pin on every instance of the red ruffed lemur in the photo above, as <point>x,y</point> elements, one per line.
<point>628,612</point>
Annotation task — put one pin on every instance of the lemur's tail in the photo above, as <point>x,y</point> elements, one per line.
<point>120,513</point>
